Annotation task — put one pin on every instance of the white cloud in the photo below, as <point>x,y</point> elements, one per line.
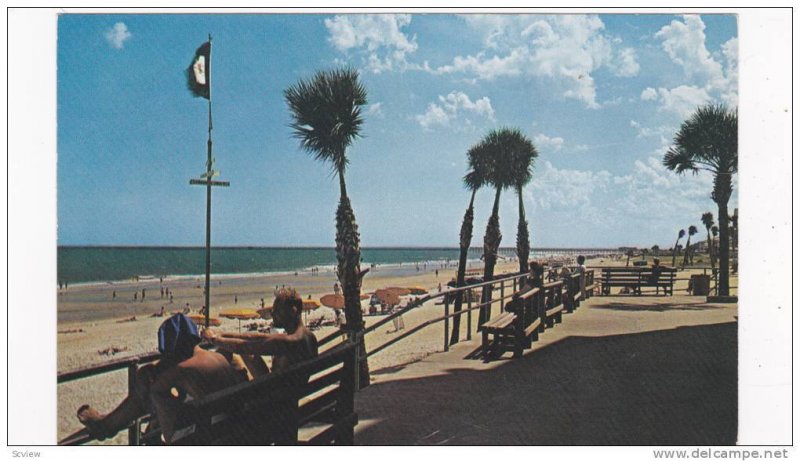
<point>543,141</point>
<point>565,49</point>
<point>685,43</point>
<point>375,109</point>
<point>648,201</point>
<point>117,35</point>
<point>626,64</point>
<point>378,38</point>
<point>646,132</point>
<point>682,100</point>
<point>456,105</point>
<point>649,94</point>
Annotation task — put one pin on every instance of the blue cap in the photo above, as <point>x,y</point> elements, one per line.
<point>177,337</point>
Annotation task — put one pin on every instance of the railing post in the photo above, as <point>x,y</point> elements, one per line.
<point>502,295</point>
<point>133,431</point>
<point>446,324</point>
<point>469,317</point>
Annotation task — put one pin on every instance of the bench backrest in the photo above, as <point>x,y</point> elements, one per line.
<point>636,273</point>
<point>271,408</point>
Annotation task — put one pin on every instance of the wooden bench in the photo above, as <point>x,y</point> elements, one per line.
<point>500,335</point>
<point>530,312</point>
<point>637,277</point>
<point>315,396</point>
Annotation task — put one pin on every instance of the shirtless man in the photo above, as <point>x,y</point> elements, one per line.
<point>297,344</point>
<point>184,369</point>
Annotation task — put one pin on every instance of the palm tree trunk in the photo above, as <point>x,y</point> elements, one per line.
<point>675,251</point>
<point>348,257</point>
<point>710,248</point>
<point>686,251</point>
<point>466,239</point>
<point>724,250</point>
<point>491,243</point>
<point>523,238</point>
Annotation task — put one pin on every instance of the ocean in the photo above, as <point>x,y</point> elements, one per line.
<point>79,264</point>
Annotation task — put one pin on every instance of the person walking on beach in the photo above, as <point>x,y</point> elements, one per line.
<point>295,345</point>
<point>582,271</point>
<point>184,365</point>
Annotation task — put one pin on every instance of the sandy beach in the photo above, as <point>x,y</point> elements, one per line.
<point>89,323</point>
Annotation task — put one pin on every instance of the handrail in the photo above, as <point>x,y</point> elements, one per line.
<point>113,365</point>
<point>416,304</point>
<point>131,363</point>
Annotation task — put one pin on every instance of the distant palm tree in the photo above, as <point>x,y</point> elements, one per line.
<point>497,146</point>
<point>523,154</point>
<point>708,221</point>
<point>473,180</point>
<point>326,118</point>
<point>681,233</point>
<point>688,250</point>
<point>708,141</point>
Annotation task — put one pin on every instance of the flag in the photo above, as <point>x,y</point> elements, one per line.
<point>198,75</point>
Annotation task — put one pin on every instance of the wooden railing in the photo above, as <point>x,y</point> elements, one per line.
<point>502,284</point>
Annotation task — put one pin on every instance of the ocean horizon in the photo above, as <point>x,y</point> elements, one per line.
<point>115,263</point>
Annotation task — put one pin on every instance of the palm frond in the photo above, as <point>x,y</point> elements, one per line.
<point>326,114</point>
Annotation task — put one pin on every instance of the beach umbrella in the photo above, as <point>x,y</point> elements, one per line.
<point>387,296</point>
<point>333,300</point>
<point>310,304</point>
<point>201,320</point>
<point>417,290</point>
<point>240,314</point>
<point>399,291</point>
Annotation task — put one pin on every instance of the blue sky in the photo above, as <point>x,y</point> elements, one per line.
<point>600,96</point>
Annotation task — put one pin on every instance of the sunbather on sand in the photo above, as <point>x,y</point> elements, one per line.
<point>297,344</point>
<point>184,367</point>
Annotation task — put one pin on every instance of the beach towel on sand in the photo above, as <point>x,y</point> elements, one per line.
<point>177,337</point>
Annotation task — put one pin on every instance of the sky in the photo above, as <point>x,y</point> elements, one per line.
<point>600,96</point>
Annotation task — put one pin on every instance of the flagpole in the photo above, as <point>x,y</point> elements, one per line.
<point>209,173</point>
<point>207,180</point>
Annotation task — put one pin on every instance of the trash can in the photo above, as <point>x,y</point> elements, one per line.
<point>701,284</point>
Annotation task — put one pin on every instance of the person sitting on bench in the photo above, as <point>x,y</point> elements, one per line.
<point>184,367</point>
<point>297,344</point>
<point>655,274</point>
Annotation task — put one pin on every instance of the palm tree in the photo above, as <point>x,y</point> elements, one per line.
<point>655,250</point>
<point>326,118</point>
<point>629,254</point>
<point>523,154</point>
<point>681,233</point>
<point>692,231</point>
<point>473,180</point>
<point>497,146</point>
<point>708,221</point>
<point>708,141</point>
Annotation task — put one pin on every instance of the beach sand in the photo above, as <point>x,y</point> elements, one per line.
<point>90,316</point>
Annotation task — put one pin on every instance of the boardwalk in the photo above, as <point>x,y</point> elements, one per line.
<point>619,371</point>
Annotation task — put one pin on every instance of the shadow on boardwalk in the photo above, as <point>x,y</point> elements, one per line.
<point>670,387</point>
<point>658,306</point>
